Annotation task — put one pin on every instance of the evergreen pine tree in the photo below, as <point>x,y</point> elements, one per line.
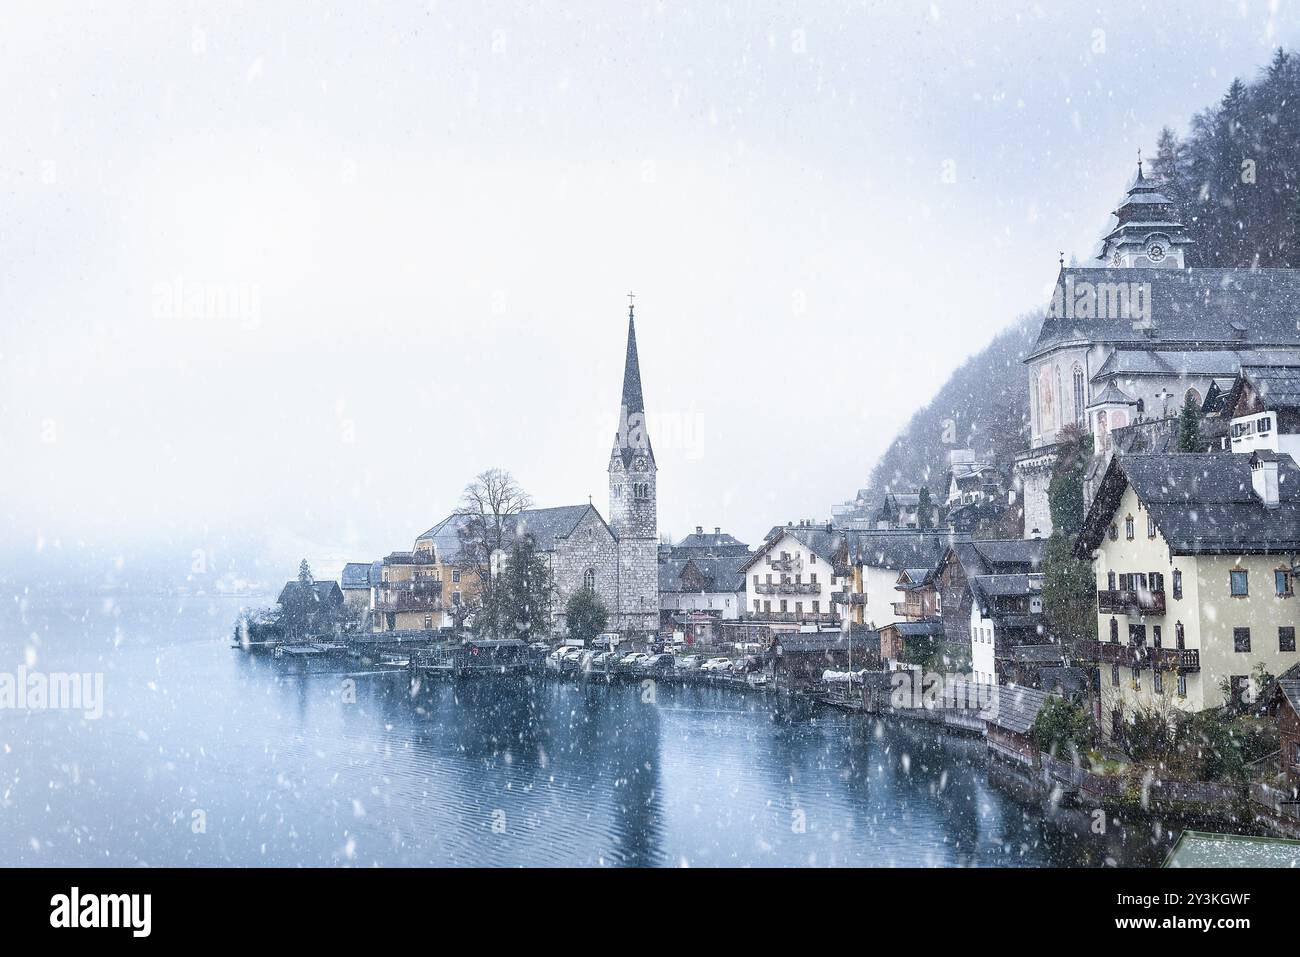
<point>1189,426</point>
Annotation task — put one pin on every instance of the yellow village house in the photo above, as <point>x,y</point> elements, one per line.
<point>1195,561</point>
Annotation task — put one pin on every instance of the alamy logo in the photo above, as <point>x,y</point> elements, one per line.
<point>25,690</point>
<point>1101,300</point>
<point>933,691</point>
<point>102,910</point>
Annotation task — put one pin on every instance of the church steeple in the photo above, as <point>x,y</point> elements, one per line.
<point>632,435</point>
<point>633,497</point>
<point>1147,230</point>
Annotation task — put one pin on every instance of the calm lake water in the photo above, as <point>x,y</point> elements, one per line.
<point>281,768</point>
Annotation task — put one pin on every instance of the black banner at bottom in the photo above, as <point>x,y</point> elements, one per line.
<point>340,906</point>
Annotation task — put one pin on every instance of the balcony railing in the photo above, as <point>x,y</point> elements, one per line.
<point>1143,656</point>
<point>820,617</point>
<point>409,603</point>
<point>412,586</point>
<point>420,594</point>
<point>848,598</point>
<point>788,588</point>
<point>1121,602</point>
<point>785,564</point>
<point>908,609</point>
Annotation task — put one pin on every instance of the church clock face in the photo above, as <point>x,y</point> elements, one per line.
<point>640,463</point>
<point>1155,252</point>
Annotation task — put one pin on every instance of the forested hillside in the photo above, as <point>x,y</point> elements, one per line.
<point>983,406</point>
<point>1236,176</point>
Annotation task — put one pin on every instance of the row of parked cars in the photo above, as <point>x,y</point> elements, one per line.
<point>644,663</point>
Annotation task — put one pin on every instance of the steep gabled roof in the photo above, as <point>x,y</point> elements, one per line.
<point>324,593</point>
<point>1000,556</point>
<point>714,543</point>
<point>1017,708</point>
<point>546,525</point>
<point>356,575</point>
<point>1112,395</point>
<point>897,550</point>
<point>1189,308</point>
<point>1175,363</point>
<point>1006,586</point>
<point>1277,386</point>
<point>826,543</point>
<point>1203,503</point>
<point>722,573</point>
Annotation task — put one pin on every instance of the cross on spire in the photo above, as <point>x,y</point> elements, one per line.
<point>630,304</point>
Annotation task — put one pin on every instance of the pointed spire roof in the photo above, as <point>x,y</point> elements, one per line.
<point>632,434</point>
<point>632,400</point>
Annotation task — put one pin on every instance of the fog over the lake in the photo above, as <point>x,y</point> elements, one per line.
<point>277,279</point>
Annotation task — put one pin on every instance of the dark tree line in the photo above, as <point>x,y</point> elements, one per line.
<point>1236,177</point>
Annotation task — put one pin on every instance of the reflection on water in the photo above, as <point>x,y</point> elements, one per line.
<point>206,755</point>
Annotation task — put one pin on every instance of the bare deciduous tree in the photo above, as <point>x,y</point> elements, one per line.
<point>486,506</point>
<point>487,503</point>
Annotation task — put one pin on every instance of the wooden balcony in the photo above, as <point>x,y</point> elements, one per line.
<point>909,609</point>
<point>418,595</point>
<point>1186,660</point>
<point>825,618</point>
<point>1119,602</point>
<point>788,588</point>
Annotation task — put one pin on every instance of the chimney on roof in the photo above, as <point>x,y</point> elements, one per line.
<point>717,529</point>
<point>1263,478</point>
<point>699,529</point>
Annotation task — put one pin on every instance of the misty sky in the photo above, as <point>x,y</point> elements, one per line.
<point>278,279</point>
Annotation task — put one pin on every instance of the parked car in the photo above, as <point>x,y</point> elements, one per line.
<point>601,660</point>
<point>716,665</point>
<point>687,662</point>
<point>656,664</point>
<point>632,658</point>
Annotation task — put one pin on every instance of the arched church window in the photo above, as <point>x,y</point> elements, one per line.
<point>1194,396</point>
<point>589,579</point>
<point>1078,397</point>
